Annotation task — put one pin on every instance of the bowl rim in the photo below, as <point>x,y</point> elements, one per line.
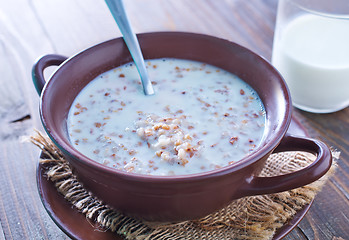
<point>261,151</point>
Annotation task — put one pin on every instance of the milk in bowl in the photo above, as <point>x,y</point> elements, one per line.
<point>201,118</point>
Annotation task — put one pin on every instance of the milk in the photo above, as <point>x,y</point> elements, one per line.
<point>201,118</point>
<point>312,54</point>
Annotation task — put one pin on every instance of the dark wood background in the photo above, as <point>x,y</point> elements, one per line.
<point>31,28</point>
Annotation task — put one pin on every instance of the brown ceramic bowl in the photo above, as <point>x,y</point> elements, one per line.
<point>175,198</point>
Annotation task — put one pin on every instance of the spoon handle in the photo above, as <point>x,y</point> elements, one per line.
<point>117,9</point>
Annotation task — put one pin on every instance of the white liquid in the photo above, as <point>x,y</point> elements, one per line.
<point>217,119</point>
<point>312,54</point>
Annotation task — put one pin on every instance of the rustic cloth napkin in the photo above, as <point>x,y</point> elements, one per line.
<point>256,217</point>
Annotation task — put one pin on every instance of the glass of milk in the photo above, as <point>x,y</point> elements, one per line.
<point>311,51</point>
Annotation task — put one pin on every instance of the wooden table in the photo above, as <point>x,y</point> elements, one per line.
<point>29,29</point>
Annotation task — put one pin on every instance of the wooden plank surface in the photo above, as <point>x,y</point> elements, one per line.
<point>29,29</point>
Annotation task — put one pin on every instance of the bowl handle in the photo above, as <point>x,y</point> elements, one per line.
<point>266,185</point>
<point>39,67</point>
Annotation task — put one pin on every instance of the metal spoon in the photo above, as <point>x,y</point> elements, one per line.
<point>117,9</point>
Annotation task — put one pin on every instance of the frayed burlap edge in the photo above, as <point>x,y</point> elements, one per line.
<point>256,217</point>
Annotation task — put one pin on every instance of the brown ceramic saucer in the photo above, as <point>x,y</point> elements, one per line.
<point>76,226</point>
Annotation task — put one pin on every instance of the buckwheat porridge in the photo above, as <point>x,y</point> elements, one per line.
<point>201,118</point>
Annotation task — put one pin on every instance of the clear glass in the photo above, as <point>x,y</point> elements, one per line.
<point>311,51</point>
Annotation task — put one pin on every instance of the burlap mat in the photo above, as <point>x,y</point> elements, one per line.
<point>255,217</point>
